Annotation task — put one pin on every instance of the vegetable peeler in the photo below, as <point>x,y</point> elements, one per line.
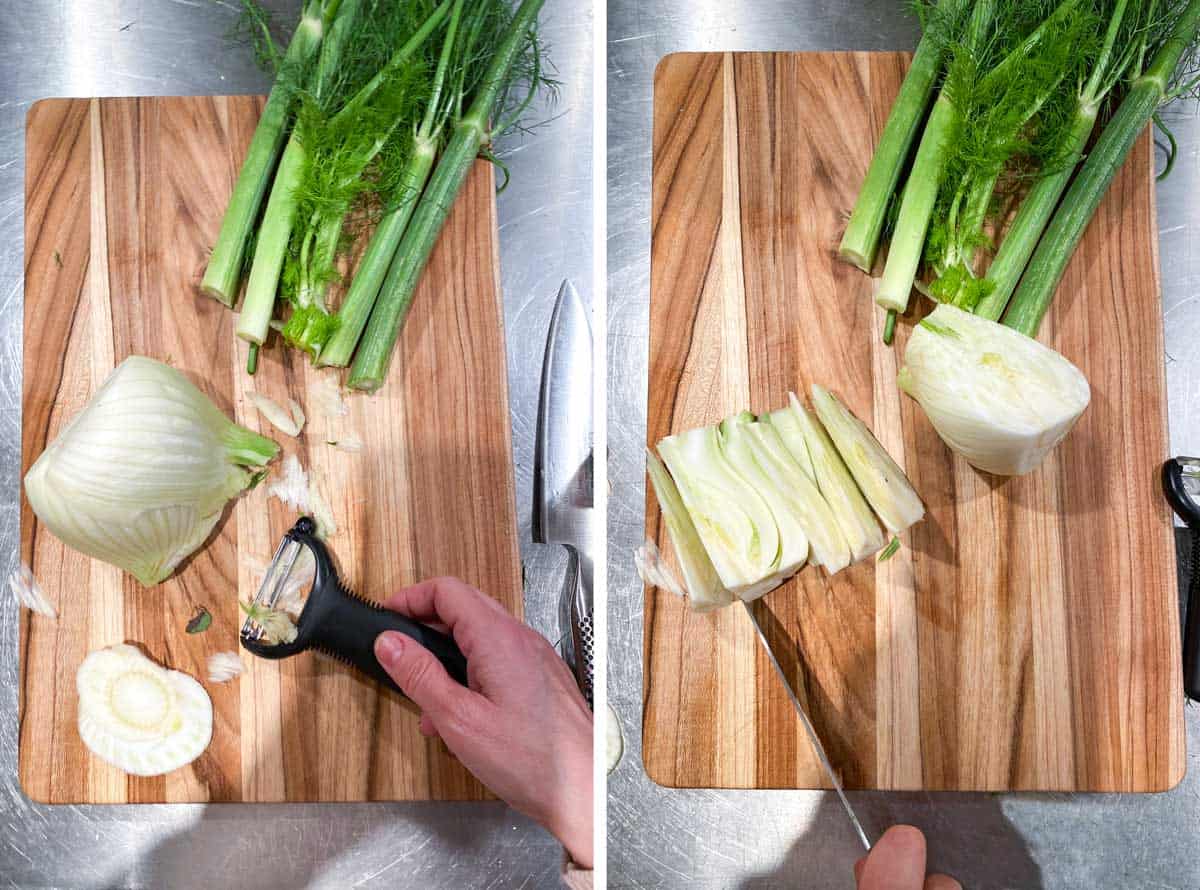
<point>1181,484</point>
<point>332,619</point>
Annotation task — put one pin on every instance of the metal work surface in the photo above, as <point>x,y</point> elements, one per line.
<point>736,839</point>
<point>174,47</point>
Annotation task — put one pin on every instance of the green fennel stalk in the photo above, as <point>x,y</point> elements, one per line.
<point>364,288</point>
<point>275,231</point>
<point>470,133</point>
<point>861,238</point>
<point>1147,92</point>
<point>921,191</point>
<point>224,270</point>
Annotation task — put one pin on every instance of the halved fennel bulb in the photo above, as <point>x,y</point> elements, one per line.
<point>854,517</point>
<point>732,520</point>
<point>1000,399</point>
<point>138,716</point>
<point>878,476</point>
<point>140,477</point>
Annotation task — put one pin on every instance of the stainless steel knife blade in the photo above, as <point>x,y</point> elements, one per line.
<point>808,727</point>
<point>563,496</point>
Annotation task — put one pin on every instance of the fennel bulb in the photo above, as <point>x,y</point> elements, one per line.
<point>879,477</point>
<point>732,520</point>
<point>140,477</point>
<point>1000,399</point>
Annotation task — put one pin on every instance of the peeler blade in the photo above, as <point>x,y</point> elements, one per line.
<point>285,585</point>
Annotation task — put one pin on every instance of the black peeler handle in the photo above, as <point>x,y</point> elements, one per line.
<point>350,626</point>
<point>1186,509</point>
<point>345,626</point>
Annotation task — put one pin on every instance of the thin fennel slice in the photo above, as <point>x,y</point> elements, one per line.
<point>701,581</point>
<point>855,519</point>
<point>825,539</point>
<point>734,523</point>
<point>140,717</point>
<point>737,442</point>
<point>879,477</point>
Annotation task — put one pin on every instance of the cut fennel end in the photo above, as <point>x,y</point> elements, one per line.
<point>879,477</point>
<point>996,397</point>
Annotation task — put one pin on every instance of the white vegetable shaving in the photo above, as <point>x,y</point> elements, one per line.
<point>287,423</point>
<point>29,593</point>
<point>349,442</point>
<point>300,493</point>
<point>224,666</point>
<point>321,512</point>
<point>327,396</point>
<point>292,485</point>
<point>653,569</point>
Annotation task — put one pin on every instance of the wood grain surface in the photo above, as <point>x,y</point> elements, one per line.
<point>123,199</point>
<point>1027,634</point>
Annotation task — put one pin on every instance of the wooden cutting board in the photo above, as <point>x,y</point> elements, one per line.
<point>1027,635</point>
<point>123,199</point>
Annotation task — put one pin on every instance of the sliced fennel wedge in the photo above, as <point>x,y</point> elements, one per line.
<point>140,477</point>
<point>878,476</point>
<point>854,517</point>
<point>734,523</point>
<point>827,544</point>
<point>1000,399</point>
<point>700,580</point>
<point>737,442</point>
<point>138,716</point>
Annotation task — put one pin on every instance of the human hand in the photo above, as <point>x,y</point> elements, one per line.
<point>522,728</point>
<point>897,862</point>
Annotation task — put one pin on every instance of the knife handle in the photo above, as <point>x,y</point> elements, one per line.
<point>575,616</point>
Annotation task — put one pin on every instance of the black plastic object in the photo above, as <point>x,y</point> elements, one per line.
<point>1174,486</point>
<point>342,624</point>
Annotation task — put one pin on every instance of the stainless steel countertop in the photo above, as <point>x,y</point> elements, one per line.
<point>709,839</point>
<point>166,47</point>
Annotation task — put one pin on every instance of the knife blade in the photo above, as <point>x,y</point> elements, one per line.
<point>563,498</point>
<point>808,727</point>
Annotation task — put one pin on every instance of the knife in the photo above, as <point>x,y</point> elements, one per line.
<point>562,472</point>
<point>808,727</point>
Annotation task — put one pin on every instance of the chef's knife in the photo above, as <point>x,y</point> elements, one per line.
<point>562,471</point>
<point>808,727</point>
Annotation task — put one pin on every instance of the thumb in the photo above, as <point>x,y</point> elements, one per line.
<point>417,672</point>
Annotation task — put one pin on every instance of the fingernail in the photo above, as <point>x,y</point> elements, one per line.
<point>389,646</point>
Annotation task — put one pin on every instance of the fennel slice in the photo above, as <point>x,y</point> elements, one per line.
<point>138,716</point>
<point>855,519</point>
<point>825,539</point>
<point>737,444</point>
<point>700,580</point>
<point>734,523</point>
<point>879,477</point>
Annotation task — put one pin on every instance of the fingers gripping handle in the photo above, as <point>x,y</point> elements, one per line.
<point>350,629</point>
